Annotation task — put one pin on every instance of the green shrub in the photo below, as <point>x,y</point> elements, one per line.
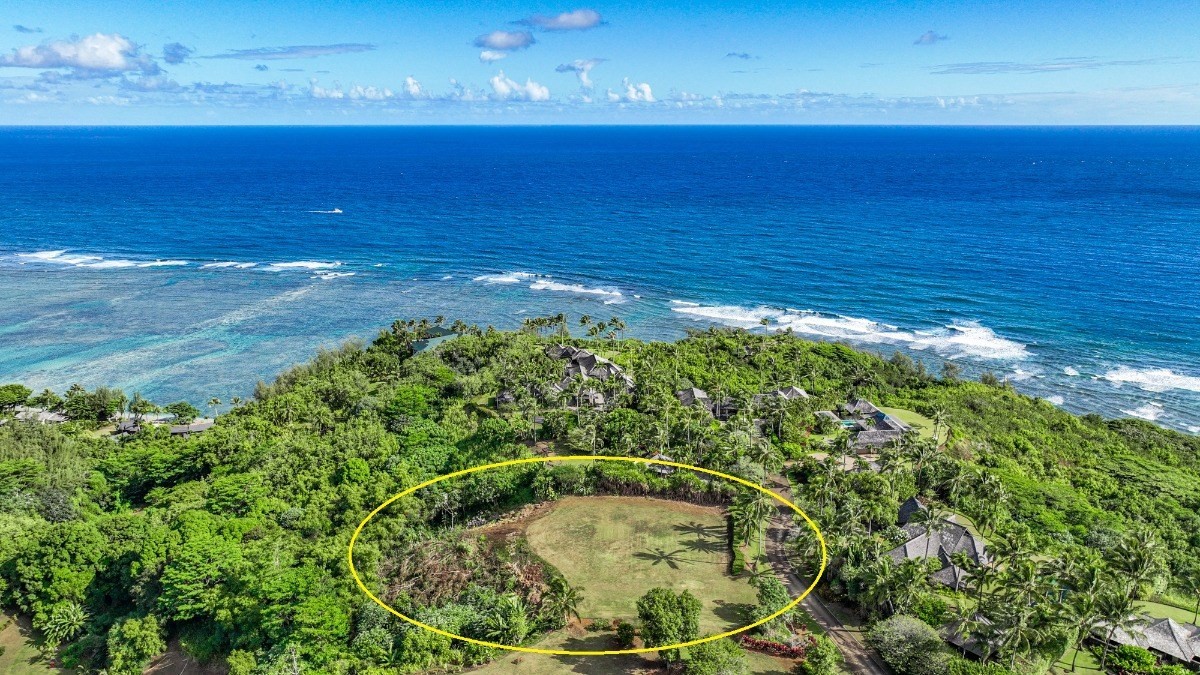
<point>719,657</point>
<point>626,632</point>
<point>822,658</point>
<point>932,610</point>
<point>910,646</point>
<point>1132,659</point>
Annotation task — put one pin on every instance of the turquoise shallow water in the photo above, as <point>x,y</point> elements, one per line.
<point>192,262</point>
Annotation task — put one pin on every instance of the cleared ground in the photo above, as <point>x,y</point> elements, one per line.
<point>20,656</point>
<point>617,548</point>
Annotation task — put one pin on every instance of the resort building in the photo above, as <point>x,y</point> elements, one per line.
<point>1172,641</point>
<point>937,540</point>
<point>584,365</point>
<point>662,469</point>
<point>694,397</point>
<point>39,415</point>
<point>872,428</point>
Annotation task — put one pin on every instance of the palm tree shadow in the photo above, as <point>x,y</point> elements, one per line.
<point>597,665</point>
<point>659,556</point>
<point>700,529</point>
<point>734,613</point>
<point>704,546</point>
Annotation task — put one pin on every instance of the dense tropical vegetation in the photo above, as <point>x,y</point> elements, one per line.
<point>231,543</point>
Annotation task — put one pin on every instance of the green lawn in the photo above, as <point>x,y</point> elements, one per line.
<point>921,423</point>
<point>1161,611</point>
<point>20,656</point>
<point>1085,665</point>
<point>617,548</point>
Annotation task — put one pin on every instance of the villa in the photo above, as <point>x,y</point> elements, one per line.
<point>694,397</point>
<point>1173,641</point>
<point>584,365</point>
<point>186,430</point>
<point>662,469</point>
<point>39,415</point>
<point>940,541</point>
<point>872,428</point>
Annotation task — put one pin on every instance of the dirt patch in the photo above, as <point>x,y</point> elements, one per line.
<point>176,662</point>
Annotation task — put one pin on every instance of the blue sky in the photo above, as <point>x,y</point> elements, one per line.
<point>394,62</point>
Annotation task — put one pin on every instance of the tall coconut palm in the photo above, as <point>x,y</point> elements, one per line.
<point>213,404</point>
<point>1115,609</point>
<point>1139,556</point>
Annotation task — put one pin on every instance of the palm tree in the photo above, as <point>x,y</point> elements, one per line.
<point>562,599</point>
<point>1016,631</point>
<point>1116,611</point>
<point>1139,557</point>
<point>213,404</point>
<point>1083,614</point>
<point>1191,583</point>
<point>939,420</point>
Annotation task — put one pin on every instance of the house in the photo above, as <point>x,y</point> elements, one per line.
<point>694,396</point>
<point>126,427</point>
<point>1167,638</point>
<point>585,365</point>
<point>940,541</point>
<point>859,408</point>
<point>186,430</point>
<point>968,644</point>
<point>662,469</point>
<point>506,397</point>
<point>724,408</point>
<point>39,415</point>
<point>789,393</point>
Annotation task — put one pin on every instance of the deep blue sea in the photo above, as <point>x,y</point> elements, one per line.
<point>189,263</point>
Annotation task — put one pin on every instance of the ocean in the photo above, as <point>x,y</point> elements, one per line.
<point>187,263</point>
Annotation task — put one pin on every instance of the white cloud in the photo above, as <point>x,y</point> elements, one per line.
<point>507,89</point>
<point>634,93</point>
<point>97,53</point>
<point>359,92</point>
<point>581,68</point>
<point>580,19</point>
<point>413,88</point>
<point>317,91</point>
<point>490,56</point>
<point>505,40</point>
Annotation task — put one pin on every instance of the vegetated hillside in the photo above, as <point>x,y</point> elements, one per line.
<point>233,540</point>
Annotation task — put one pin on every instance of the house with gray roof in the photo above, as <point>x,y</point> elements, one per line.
<point>583,364</point>
<point>39,415</point>
<point>694,396</point>
<point>939,540</point>
<point>1167,638</point>
<point>186,430</point>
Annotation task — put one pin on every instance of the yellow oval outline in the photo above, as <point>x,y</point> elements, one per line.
<point>568,458</point>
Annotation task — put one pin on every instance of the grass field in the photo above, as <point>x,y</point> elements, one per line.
<point>617,548</point>
<point>20,656</point>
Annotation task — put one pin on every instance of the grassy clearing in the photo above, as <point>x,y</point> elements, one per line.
<point>617,548</point>
<point>20,656</point>
<point>1161,611</point>
<point>1085,665</point>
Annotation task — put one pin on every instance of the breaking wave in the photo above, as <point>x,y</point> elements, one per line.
<point>1153,379</point>
<point>62,257</point>
<point>957,340</point>
<point>1150,412</point>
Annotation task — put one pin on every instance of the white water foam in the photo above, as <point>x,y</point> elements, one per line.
<point>1153,379</point>
<point>965,339</point>
<point>1150,412</point>
<point>506,278</point>
<point>544,285</point>
<point>1070,371</point>
<point>332,275</point>
<point>301,265</point>
<point>1056,399</point>
<point>228,263</point>
<point>61,257</point>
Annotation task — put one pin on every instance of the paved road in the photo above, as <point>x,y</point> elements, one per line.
<point>860,659</point>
